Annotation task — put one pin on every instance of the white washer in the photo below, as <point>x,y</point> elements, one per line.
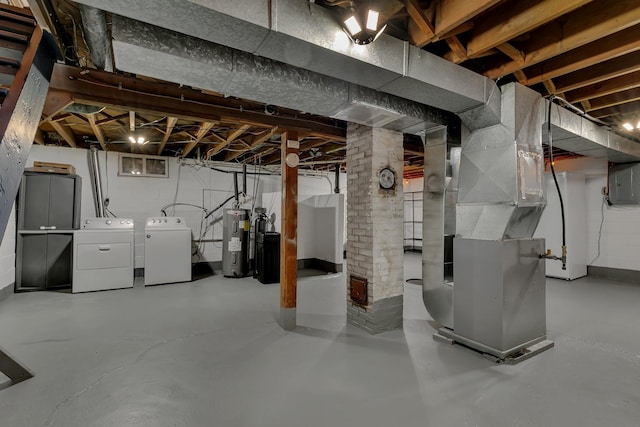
<point>103,255</point>
<point>167,251</point>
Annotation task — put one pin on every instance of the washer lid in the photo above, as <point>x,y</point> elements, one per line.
<point>107,224</point>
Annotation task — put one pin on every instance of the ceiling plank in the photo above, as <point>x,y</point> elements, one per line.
<point>97,131</point>
<point>617,44</point>
<point>420,19</point>
<point>171,123</point>
<point>615,99</point>
<point>202,132</point>
<point>512,52</point>
<point>514,19</point>
<point>455,32</point>
<point>257,140</point>
<point>102,88</point>
<point>603,71</point>
<point>585,25</point>
<point>451,14</point>
<point>607,87</point>
<point>65,132</point>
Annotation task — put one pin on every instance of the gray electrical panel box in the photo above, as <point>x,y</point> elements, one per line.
<point>624,184</point>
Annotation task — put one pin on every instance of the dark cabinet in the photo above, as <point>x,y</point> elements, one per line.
<point>48,212</point>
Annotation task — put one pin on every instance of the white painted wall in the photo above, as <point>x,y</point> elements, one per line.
<point>620,239</point>
<point>8,252</point>
<point>139,197</point>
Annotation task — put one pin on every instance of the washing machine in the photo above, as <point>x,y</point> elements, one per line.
<point>167,251</point>
<point>103,255</point>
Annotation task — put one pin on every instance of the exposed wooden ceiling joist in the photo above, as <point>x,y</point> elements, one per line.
<point>600,72</point>
<point>97,131</point>
<point>107,89</point>
<point>171,123</point>
<point>202,132</point>
<point>632,108</point>
<point>614,99</point>
<point>585,25</point>
<point>616,84</point>
<point>451,14</point>
<point>514,19</point>
<point>65,132</point>
<point>256,141</point>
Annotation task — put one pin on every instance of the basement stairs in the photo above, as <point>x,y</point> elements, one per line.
<point>27,56</point>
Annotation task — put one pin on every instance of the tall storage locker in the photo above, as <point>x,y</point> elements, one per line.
<point>48,212</point>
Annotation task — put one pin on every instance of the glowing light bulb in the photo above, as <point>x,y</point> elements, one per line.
<point>352,25</point>
<point>628,126</point>
<point>372,20</point>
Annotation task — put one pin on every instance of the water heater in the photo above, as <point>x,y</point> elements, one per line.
<point>235,236</point>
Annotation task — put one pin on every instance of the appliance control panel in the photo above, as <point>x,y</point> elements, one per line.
<point>166,222</point>
<point>107,223</point>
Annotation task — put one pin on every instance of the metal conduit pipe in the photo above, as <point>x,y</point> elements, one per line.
<point>96,182</point>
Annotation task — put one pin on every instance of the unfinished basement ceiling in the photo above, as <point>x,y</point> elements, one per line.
<point>584,51</point>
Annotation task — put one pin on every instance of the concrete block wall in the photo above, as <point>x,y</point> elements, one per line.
<point>375,227</point>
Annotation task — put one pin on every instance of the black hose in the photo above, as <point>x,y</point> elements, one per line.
<point>244,179</point>
<point>219,206</point>
<point>555,180</point>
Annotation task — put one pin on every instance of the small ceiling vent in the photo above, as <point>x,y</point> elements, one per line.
<point>367,114</point>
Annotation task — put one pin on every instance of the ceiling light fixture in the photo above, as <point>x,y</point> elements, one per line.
<point>139,140</point>
<point>362,26</point>
<point>627,126</point>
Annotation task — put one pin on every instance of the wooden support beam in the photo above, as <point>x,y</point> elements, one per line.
<point>121,92</point>
<point>457,48</point>
<point>97,131</point>
<point>65,132</point>
<point>132,121</point>
<point>619,98</point>
<point>586,105</point>
<point>550,86</point>
<point>39,138</point>
<point>521,76</point>
<point>512,52</point>
<point>202,132</point>
<point>617,44</point>
<point>421,20</point>
<point>607,87</point>
<point>289,238</point>
<point>257,140</point>
<point>629,63</point>
<point>630,108</point>
<point>516,18</point>
<point>55,102</point>
<point>450,14</point>
<point>585,25</point>
<point>233,135</point>
<point>171,123</point>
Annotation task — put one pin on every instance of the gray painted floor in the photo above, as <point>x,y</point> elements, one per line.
<point>210,353</point>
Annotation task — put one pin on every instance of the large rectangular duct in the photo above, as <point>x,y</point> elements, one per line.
<point>501,193</point>
<point>307,36</point>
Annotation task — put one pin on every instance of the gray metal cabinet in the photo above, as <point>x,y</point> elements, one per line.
<point>48,212</point>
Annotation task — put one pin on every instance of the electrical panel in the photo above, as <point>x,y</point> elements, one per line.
<point>624,184</point>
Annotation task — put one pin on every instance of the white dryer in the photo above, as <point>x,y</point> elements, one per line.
<point>103,255</point>
<point>167,251</point>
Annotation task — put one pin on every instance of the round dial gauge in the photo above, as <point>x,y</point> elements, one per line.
<point>387,178</point>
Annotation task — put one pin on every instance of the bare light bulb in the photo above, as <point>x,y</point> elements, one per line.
<point>372,20</point>
<point>352,25</point>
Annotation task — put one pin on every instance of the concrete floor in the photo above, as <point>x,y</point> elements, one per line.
<point>210,353</point>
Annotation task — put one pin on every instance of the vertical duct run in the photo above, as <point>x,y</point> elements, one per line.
<point>96,182</point>
<point>442,160</point>
<point>98,39</point>
<point>337,189</point>
<point>244,179</point>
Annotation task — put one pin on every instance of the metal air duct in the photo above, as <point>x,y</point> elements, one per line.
<point>96,182</point>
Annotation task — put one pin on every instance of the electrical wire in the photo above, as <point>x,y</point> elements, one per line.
<point>604,201</point>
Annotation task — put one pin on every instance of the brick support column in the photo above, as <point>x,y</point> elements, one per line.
<point>374,228</point>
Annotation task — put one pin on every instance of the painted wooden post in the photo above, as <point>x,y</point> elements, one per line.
<point>289,240</point>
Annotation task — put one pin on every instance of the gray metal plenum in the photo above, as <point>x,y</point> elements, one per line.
<point>305,35</point>
<point>438,223</point>
<point>94,24</point>
<point>156,52</point>
<point>96,182</point>
<point>501,189</point>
